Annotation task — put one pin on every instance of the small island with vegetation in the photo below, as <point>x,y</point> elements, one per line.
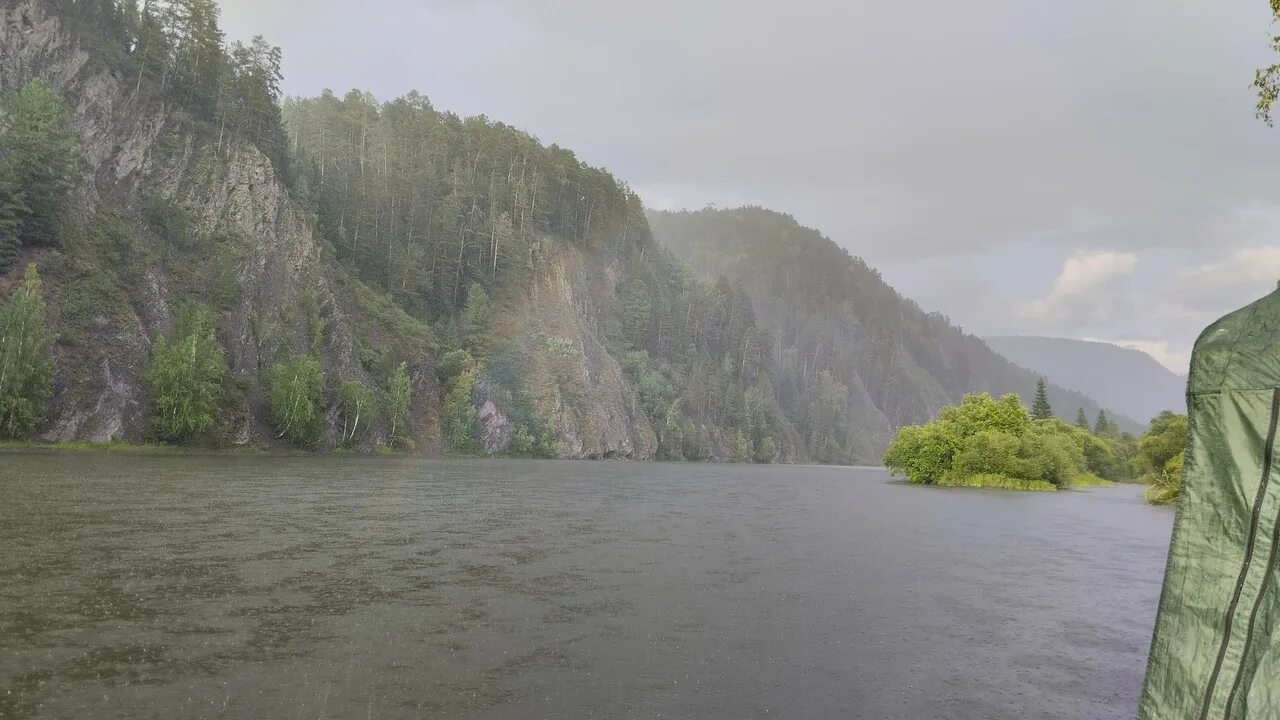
<point>999,443</point>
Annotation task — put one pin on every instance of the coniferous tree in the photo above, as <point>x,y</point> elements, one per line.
<point>26,370</point>
<point>40,153</point>
<point>12,205</point>
<point>1082,420</point>
<point>1040,408</point>
<point>1102,425</point>
<point>477,316</point>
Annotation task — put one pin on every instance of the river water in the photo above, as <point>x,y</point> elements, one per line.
<point>341,587</point>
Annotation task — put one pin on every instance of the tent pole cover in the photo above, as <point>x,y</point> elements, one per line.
<point>1215,652</point>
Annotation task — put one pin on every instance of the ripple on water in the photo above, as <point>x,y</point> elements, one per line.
<point>397,587</point>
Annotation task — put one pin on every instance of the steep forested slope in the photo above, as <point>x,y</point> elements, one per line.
<point>839,331</point>
<point>379,274</point>
<point>1131,381</point>
<point>343,272</point>
<point>179,202</point>
<point>558,313</point>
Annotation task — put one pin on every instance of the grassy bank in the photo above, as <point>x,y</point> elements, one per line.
<point>996,481</point>
<point>117,446</point>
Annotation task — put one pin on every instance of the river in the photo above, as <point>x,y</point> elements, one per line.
<point>136,586</point>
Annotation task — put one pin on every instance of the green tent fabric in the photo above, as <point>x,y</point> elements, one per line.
<point>1215,653</point>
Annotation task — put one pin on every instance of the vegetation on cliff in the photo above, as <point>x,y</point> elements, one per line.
<point>39,157</point>
<point>26,370</point>
<point>850,359</point>
<point>390,274</point>
<point>186,379</point>
<point>461,220</point>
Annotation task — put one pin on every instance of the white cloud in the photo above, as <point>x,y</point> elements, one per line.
<point>1076,296</point>
<point>1234,281</point>
<point>828,110</point>
<point>1175,360</point>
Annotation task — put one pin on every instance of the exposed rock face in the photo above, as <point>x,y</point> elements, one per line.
<point>137,151</point>
<point>132,149</point>
<point>496,427</point>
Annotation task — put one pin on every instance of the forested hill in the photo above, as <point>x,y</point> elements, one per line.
<point>368,274</point>
<point>835,321</point>
<point>219,268</point>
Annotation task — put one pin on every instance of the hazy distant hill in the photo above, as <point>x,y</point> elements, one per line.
<point>831,318</point>
<point>1128,380</point>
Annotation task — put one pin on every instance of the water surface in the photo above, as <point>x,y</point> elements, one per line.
<point>269,587</point>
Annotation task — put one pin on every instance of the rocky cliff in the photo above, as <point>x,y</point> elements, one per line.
<point>167,213</point>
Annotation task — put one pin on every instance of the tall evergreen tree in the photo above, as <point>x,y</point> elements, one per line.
<point>26,370</point>
<point>1102,425</point>
<point>1040,408</point>
<point>12,204</point>
<point>1082,420</point>
<point>41,153</point>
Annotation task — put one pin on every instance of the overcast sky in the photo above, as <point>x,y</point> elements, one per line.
<point>1086,169</point>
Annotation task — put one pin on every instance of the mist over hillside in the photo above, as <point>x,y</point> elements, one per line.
<point>828,311</point>
<point>1129,380</point>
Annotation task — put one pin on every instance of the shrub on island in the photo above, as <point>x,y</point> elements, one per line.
<point>985,442</point>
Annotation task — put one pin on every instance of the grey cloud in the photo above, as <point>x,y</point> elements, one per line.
<point>906,131</point>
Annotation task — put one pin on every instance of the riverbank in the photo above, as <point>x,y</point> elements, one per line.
<point>991,481</point>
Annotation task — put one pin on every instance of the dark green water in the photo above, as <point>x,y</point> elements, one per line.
<point>146,587</point>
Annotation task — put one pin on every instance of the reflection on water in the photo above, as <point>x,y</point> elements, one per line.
<point>145,587</point>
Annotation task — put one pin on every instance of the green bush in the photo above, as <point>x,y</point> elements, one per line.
<point>1160,456</point>
<point>297,400</point>
<point>168,220</point>
<point>398,399</point>
<point>316,323</point>
<point>765,450</point>
<point>984,440</point>
<point>742,450</point>
<point>458,415</point>
<point>477,316</point>
<point>1166,488</point>
<point>356,402</point>
<point>186,379</point>
<point>26,369</point>
<point>453,364</point>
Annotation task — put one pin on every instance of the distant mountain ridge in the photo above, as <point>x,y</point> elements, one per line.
<point>1126,379</point>
<point>887,361</point>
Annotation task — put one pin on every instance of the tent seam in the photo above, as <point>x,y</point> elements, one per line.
<point>1268,463</point>
<point>1248,558</point>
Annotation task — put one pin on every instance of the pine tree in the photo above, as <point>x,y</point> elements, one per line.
<point>1040,408</point>
<point>1082,421</point>
<point>42,156</point>
<point>1102,425</point>
<point>12,205</point>
<point>26,370</point>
